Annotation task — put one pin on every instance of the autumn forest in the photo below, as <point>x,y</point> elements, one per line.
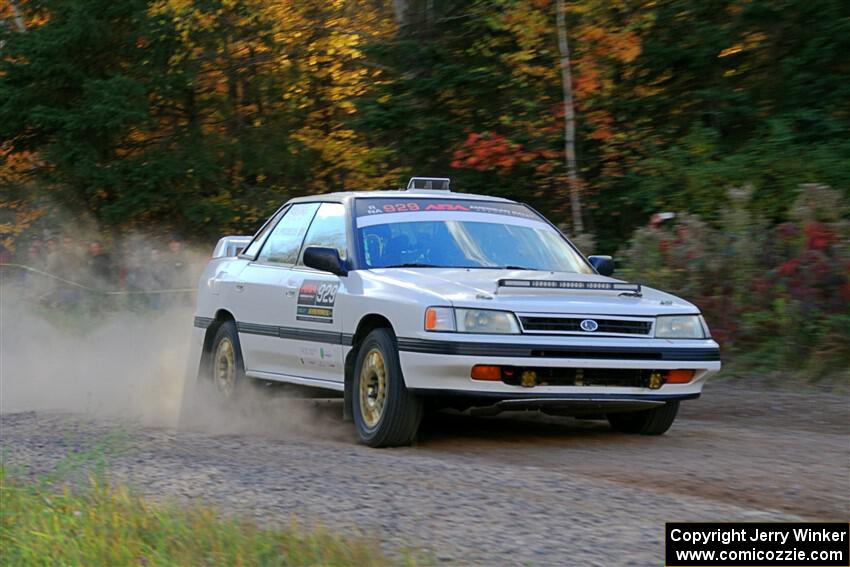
<point>203,116</point>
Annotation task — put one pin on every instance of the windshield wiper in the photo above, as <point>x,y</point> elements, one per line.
<point>508,267</point>
<point>422,265</point>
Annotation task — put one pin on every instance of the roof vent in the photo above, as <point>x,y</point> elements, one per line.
<point>428,184</point>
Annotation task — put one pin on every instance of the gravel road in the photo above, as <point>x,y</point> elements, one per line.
<point>515,489</point>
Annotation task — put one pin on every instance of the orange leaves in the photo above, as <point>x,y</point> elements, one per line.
<point>625,46</point>
<point>599,48</point>
<point>750,41</point>
<point>616,43</point>
<point>588,79</point>
<point>488,151</point>
<point>21,216</point>
<point>602,124</point>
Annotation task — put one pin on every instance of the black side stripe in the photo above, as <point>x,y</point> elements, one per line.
<point>294,333</point>
<point>309,335</point>
<point>552,351</point>
<point>203,322</point>
<point>255,329</point>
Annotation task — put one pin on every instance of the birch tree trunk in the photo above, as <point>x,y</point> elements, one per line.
<point>569,120</point>
<point>400,8</point>
<point>16,16</point>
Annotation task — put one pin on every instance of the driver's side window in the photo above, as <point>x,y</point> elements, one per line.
<point>284,242</point>
<point>327,229</point>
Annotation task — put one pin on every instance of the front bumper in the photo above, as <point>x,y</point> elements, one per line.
<point>443,367</point>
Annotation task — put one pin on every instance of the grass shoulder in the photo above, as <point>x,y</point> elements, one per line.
<point>103,524</point>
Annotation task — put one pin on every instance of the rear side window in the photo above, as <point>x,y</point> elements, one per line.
<point>327,229</point>
<point>260,237</point>
<point>284,242</point>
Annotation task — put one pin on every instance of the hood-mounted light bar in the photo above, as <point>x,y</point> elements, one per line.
<point>628,288</point>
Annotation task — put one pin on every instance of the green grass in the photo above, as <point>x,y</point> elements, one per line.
<point>100,524</point>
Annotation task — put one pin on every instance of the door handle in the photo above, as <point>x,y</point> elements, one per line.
<point>240,286</point>
<point>291,287</point>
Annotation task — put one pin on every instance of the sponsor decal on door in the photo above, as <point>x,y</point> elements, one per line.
<point>318,357</point>
<point>316,301</point>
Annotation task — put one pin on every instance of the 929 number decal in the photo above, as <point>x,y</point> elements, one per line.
<point>315,292</point>
<point>326,293</point>
<point>401,207</point>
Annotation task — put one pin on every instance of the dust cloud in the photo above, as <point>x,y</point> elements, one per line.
<point>68,346</point>
<point>125,365</point>
<point>134,367</point>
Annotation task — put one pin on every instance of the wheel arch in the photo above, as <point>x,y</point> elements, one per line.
<point>367,324</point>
<point>221,316</point>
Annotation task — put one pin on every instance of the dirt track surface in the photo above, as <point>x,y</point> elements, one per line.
<point>516,489</point>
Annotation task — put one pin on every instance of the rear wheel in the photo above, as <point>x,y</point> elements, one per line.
<point>219,382</point>
<point>226,369</point>
<point>655,421</point>
<point>386,413</point>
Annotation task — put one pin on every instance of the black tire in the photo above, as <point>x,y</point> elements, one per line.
<point>226,333</point>
<point>400,411</point>
<point>646,422</point>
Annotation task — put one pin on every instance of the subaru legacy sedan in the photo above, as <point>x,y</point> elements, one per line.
<point>407,300</point>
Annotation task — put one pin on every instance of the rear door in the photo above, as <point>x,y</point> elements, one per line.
<point>259,297</point>
<point>312,315</point>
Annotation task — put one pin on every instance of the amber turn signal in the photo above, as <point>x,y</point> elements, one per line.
<point>431,319</point>
<point>680,376</point>
<point>486,372</point>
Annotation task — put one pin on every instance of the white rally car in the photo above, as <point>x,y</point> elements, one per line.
<point>402,300</point>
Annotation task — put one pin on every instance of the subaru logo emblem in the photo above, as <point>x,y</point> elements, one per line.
<point>589,325</point>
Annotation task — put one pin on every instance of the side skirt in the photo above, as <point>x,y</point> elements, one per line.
<point>300,380</point>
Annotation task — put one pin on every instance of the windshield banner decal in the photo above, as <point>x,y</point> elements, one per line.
<point>374,211</point>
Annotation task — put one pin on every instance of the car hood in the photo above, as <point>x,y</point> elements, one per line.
<point>480,288</point>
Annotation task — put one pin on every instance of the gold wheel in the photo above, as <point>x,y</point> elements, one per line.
<point>373,387</point>
<point>224,367</point>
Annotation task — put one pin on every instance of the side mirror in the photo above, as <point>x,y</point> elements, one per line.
<point>325,259</point>
<point>603,264</point>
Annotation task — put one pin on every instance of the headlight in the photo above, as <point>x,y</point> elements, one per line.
<point>679,327</point>
<point>486,321</point>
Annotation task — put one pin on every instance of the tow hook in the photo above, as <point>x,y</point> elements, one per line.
<point>656,380</point>
<point>528,379</point>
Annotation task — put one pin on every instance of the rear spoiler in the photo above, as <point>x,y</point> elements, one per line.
<point>230,246</point>
<point>629,288</point>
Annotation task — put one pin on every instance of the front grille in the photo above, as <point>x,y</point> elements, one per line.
<point>547,376</point>
<point>532,324</point>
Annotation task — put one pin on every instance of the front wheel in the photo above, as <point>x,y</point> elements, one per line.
<point>386,413</point>
<point>655,421</point>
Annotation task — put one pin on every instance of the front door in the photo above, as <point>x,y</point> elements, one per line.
<point>313,318</point>
<point>260,300</point>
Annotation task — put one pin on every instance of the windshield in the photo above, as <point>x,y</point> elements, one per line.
<point>482,235</point>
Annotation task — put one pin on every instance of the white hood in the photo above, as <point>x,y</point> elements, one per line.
<point>480,288</point>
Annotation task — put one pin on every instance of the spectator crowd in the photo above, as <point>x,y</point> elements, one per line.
<point>66,273</point>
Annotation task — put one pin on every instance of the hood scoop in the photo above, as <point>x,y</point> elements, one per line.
<point>625,289</point>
